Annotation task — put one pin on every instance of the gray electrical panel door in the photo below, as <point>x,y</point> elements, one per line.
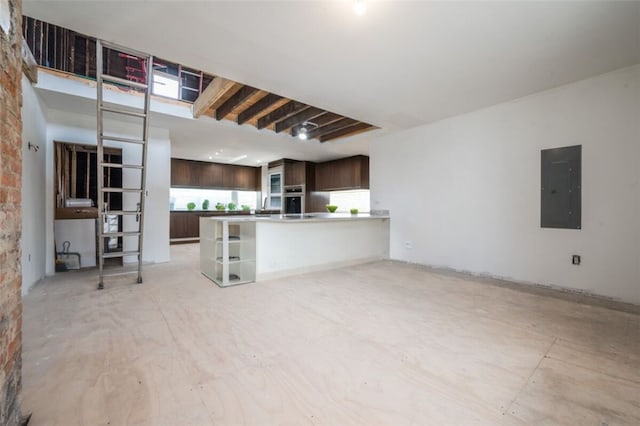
<point>561,187</point>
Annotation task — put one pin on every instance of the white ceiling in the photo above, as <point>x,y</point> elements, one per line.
<point>400,65</point>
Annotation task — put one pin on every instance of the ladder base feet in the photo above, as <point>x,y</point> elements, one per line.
<point>100,286</point>
<point>139,280</point>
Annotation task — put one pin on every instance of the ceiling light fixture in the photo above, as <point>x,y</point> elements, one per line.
<point>304,130</point>
<point>360,7</point>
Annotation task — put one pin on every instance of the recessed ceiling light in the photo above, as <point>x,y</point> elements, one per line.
<point>258,161</point>
<point>360,7</point>
<point>210,158</point>
<point>217,153</point>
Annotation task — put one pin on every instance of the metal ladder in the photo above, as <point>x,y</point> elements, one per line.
<point>104,198</point>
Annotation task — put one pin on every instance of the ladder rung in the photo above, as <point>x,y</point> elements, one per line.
<point>120,234</point>
<point>120,254</point>
<point>121,190</point>
<point>123,112</point>
<point>121,212</point>
<point>121,49</point>
<point>123,81</point>
<point>122,166</point>
<point>120,139</point>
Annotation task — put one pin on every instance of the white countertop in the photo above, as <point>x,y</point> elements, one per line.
<point>297,218</point>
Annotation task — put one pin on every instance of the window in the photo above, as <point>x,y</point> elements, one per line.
<point>347,200</point>
<point>165,85</point>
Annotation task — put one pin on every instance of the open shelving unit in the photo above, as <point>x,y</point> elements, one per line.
<point>228,251</point>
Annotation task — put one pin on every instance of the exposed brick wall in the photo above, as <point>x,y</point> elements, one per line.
<point>10,218</point>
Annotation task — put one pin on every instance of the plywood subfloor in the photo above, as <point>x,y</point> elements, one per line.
<point>381,343</point>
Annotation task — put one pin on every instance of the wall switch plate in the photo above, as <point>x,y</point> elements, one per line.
<point>575,259</point>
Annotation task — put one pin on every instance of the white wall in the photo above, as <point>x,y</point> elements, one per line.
<point>466,190</point>
<point>34,131</point>
<point>77,128</point>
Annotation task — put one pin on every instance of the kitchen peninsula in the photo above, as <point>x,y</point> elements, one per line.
<point>237,249</point>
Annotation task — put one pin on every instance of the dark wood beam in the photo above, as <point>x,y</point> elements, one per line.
<point>298,118</point>
<point>29,64</point>
<point>321,120</point>
<point>216,93</point>
<point>239,97</point>
<point>336,125</point>
<point>258,107</point>
<point>287,110</point>
<point>347,131</point>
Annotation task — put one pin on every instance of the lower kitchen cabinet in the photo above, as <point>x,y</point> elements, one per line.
<point>228,250</point>
<point>185,225</point>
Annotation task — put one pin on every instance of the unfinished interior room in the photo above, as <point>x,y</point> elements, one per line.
<point>326,212</point>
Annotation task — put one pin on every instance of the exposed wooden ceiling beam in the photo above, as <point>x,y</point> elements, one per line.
<point>298,118</point>
<point>336,125</point>
<point>284,111</point>
<point>321,120</point>
<point>240,96</point>
<point>218,91</point>
<point>258,107</point>
<point>347,131</point>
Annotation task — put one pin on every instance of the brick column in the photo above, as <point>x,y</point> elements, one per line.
<point>10,221</point>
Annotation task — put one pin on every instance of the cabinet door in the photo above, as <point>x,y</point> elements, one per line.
<point>212,175</point>
<point>184,225</point>
<point>245,178</point>
<point>294,173</point>
<point>185,173</point>
<point>346,173</point>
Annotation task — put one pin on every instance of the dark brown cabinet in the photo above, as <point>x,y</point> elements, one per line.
<point>185,173</point>
<point>186,224</point>
<point>211,175</point>
<point>295,173</point>
<point>200,174</point>
<point>345,173</point>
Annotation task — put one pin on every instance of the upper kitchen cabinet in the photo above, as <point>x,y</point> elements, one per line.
<point>200,174</point>
<point>342,174</point>
<point>211,175</point>
<point>295,172</point>
<point>241,177</point>
<point>186,173</point>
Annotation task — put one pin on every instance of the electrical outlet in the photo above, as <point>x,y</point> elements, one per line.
<point>575,259</point>
<point>408,245</point>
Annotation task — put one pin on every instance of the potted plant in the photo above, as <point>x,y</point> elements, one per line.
<point>220,206</point>
<point>245,208</point>
<point>331,208</point>
<point>354,211</point>
<point>231,207</point>
<point>191,206</point>
<point>205,205</point>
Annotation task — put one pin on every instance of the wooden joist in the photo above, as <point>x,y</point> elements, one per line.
<point>218,92</point>
<point>244,93</point>
<point>336,125</point>
<point>245,104</point>
<point>288,109</point>
<point>29,64</point>
<point>298,118</point>
<point>346,131</point>
<point>258,107</point>
<point>321,120</point>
